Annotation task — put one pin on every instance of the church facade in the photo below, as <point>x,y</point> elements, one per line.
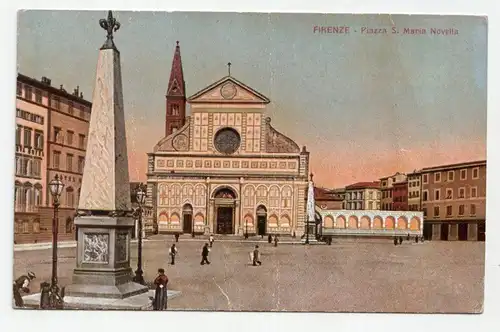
<point>226,170</point>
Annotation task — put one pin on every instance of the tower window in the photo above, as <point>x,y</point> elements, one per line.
<point>175,109</point>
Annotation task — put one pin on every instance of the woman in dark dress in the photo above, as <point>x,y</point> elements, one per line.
<point>161,291</point>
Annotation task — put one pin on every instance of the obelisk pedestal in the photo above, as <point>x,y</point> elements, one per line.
<point>104,222</point>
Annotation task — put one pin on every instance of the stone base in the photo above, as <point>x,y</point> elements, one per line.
<point>120,291</point>
<point>138,302</point>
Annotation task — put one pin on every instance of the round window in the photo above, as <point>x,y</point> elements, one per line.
<point>227,140</point>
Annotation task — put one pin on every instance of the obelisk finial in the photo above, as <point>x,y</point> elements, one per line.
<point>110,25</point>
<point>229,68</point>
<point>311,176</point>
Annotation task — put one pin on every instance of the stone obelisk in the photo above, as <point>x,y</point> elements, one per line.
<point>104,222</point>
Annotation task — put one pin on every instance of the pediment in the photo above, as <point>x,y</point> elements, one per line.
<point>228,90</point>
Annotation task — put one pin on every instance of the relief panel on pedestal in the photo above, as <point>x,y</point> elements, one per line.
<point>96,248</point>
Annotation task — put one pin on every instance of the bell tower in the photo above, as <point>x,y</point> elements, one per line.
<point>175,96</point>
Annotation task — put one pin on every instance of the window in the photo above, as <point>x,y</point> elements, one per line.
<point>57,131</point>
<point>437,193</point>
<point>378,195</point>
<point>473,192</point>
<point>69,225</point>
<point>38,140</point>
<point>424,210</point>
<point>449,193</point>
<point>70,137</point>
<point>461,210</point>
<point>81,162</point>
<point>473,209</point>
<point>70,107</point>
<point>81,141</point>
<point>475,173</point>
<point>28,92</point>
<point>451,176</point>
<point>19,89</point>
<point>26,226</point>
<point>449,210</point>
<point>36,226</point>
<point>463,174</point>
<point>56,162</point>
<point>38,96</point>
<point>27,137</point>
<point>370,205</point>
<point>425,195</point>
<point>425,178</point>
<point>69,162</point>
<point>174,129</point>
<point>175,109</point>
<point>437,177</point>
<point>18,135</point>
<point>370,195</point>
<point>82,111</point>
<point>70,197</point>
<point>436,211</point>
<point>461,193</point>
<point>55,103</point>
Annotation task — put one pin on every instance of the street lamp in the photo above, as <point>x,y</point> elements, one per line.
<point>55,300</point>
<point>246,229</point>
<point>141,199</point>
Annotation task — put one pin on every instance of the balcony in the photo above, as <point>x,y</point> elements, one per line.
<point>25,208</point>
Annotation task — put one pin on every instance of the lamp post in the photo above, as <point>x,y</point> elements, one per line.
<point>141,199</point>
<point>54,298</point>
<point>246,229</point>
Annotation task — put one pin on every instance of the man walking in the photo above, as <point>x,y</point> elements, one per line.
<point>173,252</point>
<point>204,254</point>
<point>256,256</point>
<point>22,284</point>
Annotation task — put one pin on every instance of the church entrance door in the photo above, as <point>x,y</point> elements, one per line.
<point>261,220</point>
<point>187,219</point>
<point>224,220</point>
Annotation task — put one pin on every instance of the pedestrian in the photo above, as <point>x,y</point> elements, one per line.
<point>256,257</point>
<point>173,252</point>
<point>211,240</point>
<point>422,239</point>
<point>204,254</point>
<point>176,237</point>
<point>400,240</point>
<point>160,282</point>
<point>276,240</point>
<point>22,284</point>
<point>408,237</point>
<point>294,235</point>
<point>270,238</point>
<point>416,239</point>
<point>395,241</point>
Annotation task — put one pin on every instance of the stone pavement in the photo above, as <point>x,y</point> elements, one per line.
<point>349,276</point>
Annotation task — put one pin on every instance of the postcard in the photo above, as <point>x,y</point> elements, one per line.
<point>250,162</point>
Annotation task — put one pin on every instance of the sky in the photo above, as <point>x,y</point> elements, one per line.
<point>364,105</point>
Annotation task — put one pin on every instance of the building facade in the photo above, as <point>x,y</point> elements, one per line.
<point>386,189</point>
<point>454,201</point>
<point>400,196</point>
<point>414,191</point>
<point>326,199</point>
<point>227,170</point>
<point>363,196</point>
<point>58,143</point>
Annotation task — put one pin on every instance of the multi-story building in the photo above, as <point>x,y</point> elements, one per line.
<point>340,192</point>
<point>400,195</point>
<point>386,189</point>
<point>58,144</point>
<point>363,196</point>
<point>414,191</point>
<point>328,199</point>
<point>454,201</point>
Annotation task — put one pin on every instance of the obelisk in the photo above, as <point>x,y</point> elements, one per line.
<point>104,223</point>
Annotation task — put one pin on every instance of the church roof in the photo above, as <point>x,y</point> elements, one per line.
<point>260,98</point>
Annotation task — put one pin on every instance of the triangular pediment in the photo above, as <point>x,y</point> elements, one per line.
<point>228,90</point>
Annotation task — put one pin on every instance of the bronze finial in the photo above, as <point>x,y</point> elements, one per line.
<point>311,175</point>
<point>110,25</point>
<point>229,68</point>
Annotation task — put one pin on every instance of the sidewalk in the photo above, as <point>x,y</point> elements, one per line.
<point>48,245</point>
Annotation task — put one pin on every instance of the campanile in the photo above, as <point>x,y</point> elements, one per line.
<point>175,96</point>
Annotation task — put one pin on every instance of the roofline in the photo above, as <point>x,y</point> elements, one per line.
<point>52,89</point>
<point>454,166</point>
<point>225,78</point>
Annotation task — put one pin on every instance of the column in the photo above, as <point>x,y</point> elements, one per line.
<point>472,232</point>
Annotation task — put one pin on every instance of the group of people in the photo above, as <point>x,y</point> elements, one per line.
<point>399,239</point>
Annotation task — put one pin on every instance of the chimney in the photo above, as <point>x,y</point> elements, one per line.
<point>46,80</point>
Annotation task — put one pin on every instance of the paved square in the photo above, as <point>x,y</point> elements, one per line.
<point>361,275</point>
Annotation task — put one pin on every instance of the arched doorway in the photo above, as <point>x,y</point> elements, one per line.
<point>225,199</point>
<point>261,220</point>
<point>187,218</point>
